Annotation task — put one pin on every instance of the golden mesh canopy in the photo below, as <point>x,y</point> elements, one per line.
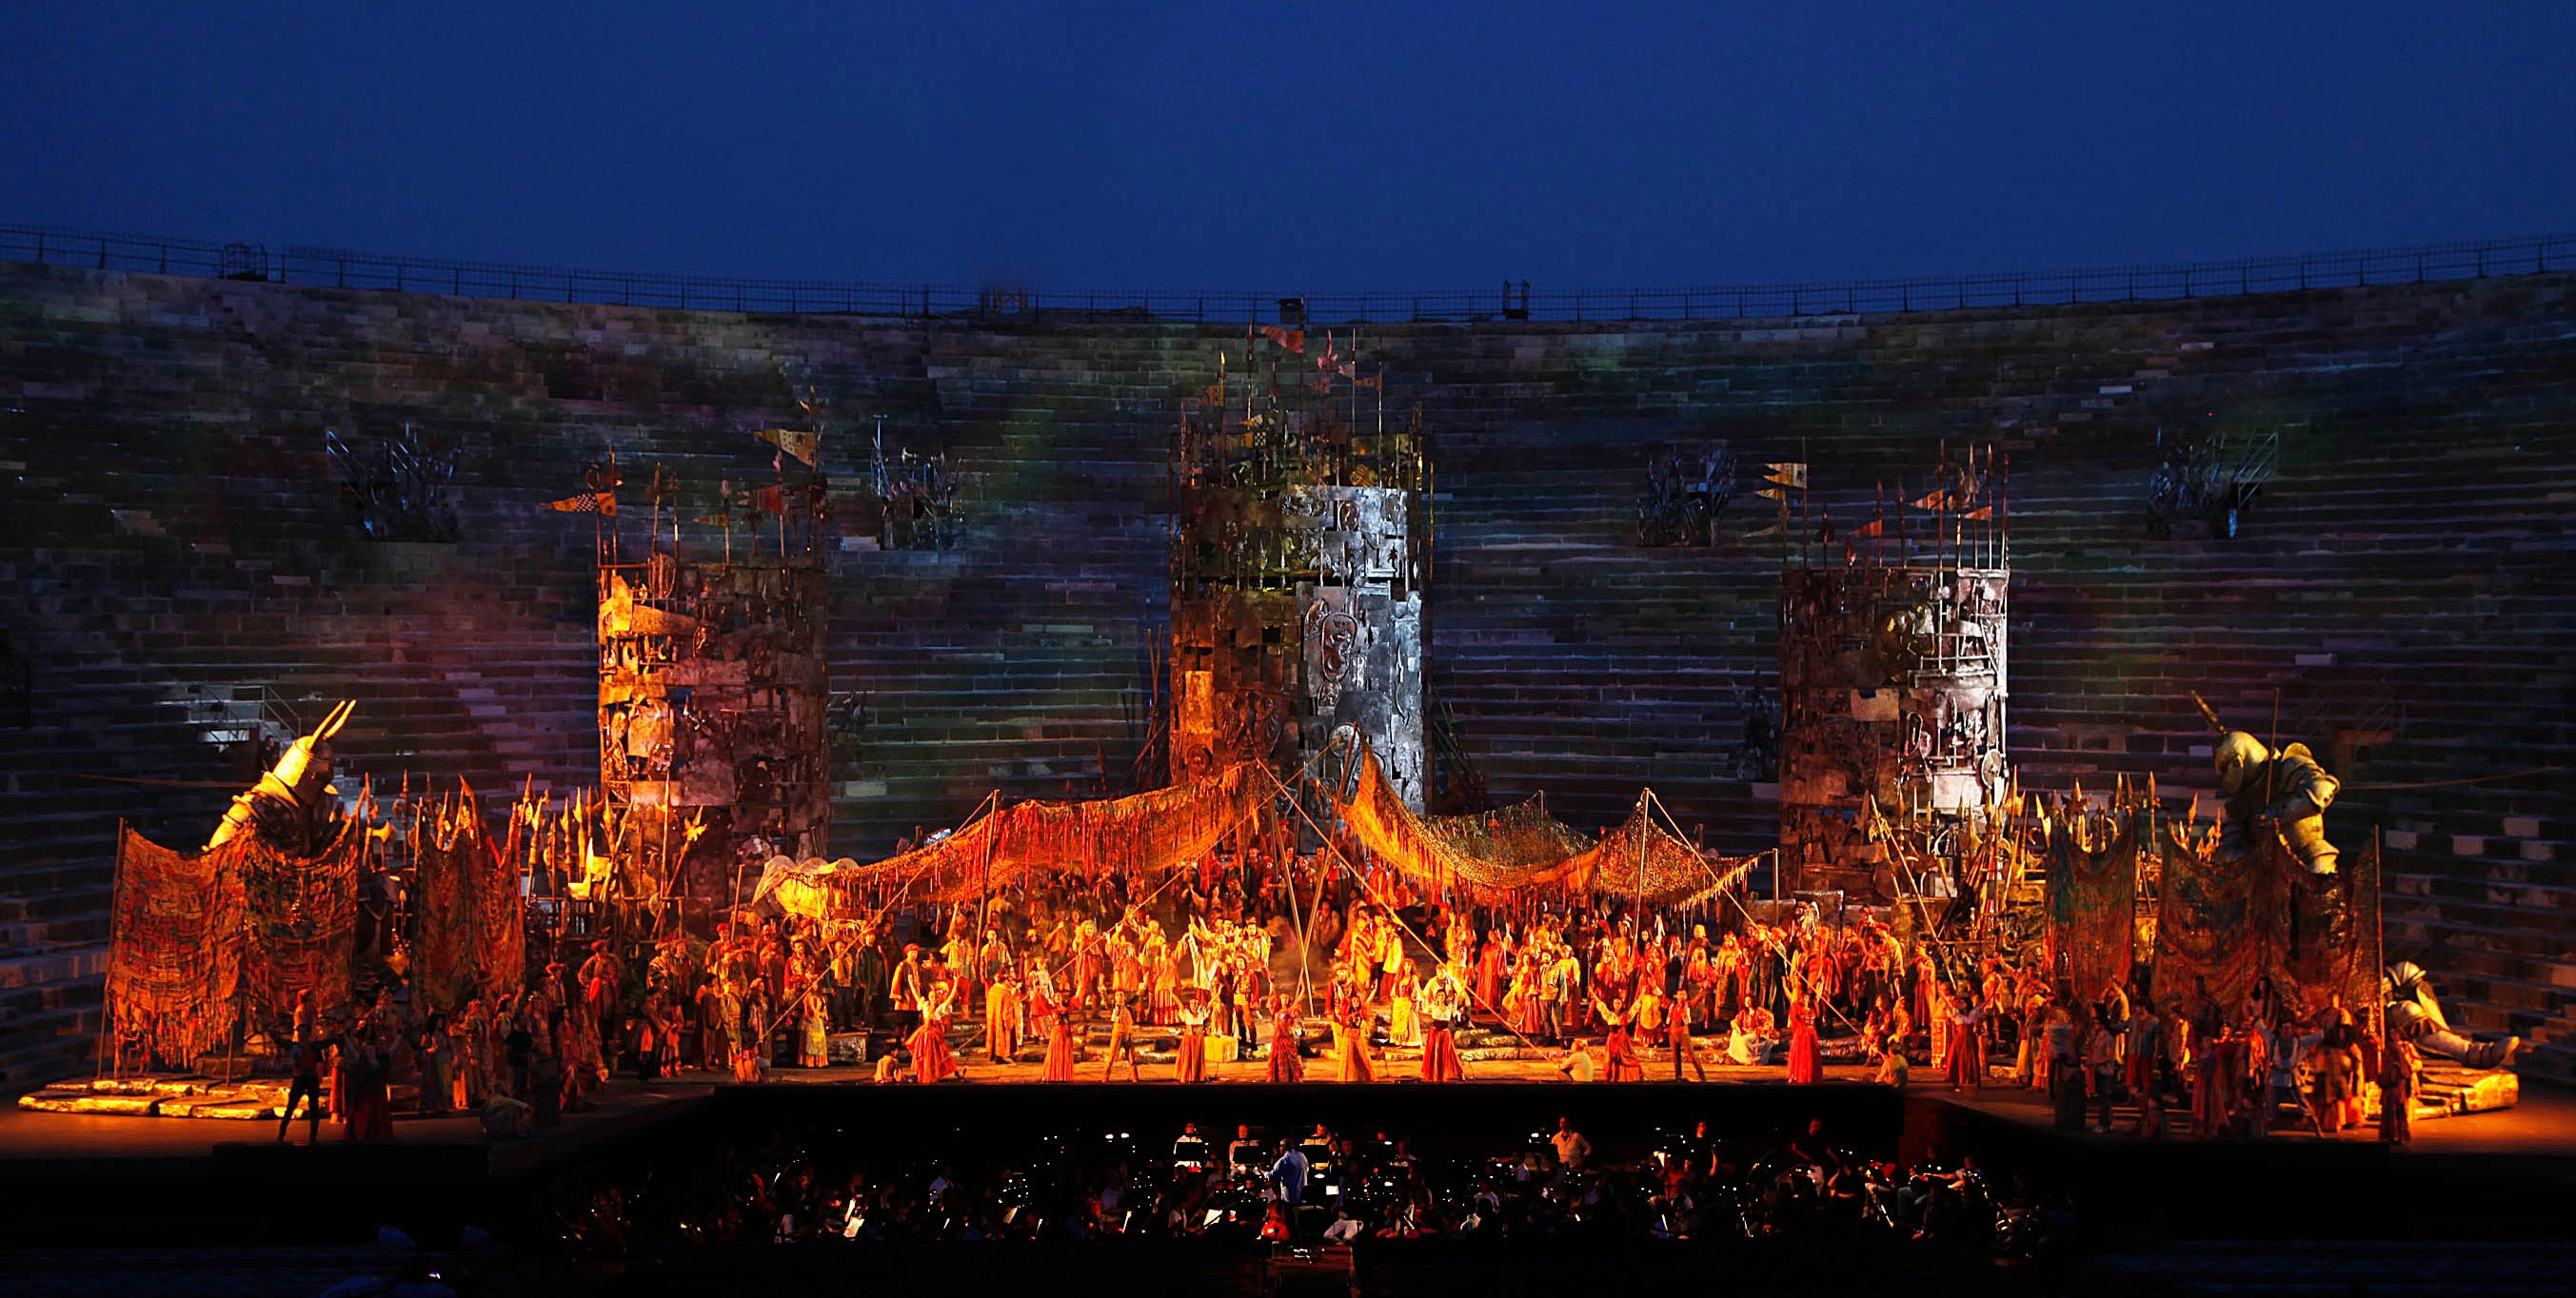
<point>1494,856</point>
<point>1489,857</point>
<point>1147,832</point>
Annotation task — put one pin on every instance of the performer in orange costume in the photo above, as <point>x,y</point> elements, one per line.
<point>1192,1053</point>
<point>1619,1057</point>
<point>932,1060</point>
<point>1804,1067</point>
<point>1058,1019</point>
<point>1284,1064</point>
<point>1443,1004</point>
<point>1352,1020</point>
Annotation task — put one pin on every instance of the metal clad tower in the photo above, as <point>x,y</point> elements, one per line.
<point>1300,544</point>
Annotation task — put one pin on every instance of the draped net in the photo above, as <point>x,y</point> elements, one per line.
<point>1494,857</point>
<point>1487,857</point>
<point>1146,832</point>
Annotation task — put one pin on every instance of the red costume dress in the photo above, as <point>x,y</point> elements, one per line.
<point>932,1060</point>
<point>1622,1065</point>
<point>1086,971</point>
<point>1441,1010</point>
<point>1284,1064</point>
<point>1440,1061</point>
<point>1966,1063</point>
<point>1493,970</point>
<point>1804,1066</point>
<point>1162,986</point>
<point>1060,1052</point>
<point>1193,1048</point>
<point>1619,1057</point>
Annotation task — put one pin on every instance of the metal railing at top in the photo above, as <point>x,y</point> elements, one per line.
<point>340,268</point>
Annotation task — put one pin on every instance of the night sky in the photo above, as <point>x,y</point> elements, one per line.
<point>1296,146</point>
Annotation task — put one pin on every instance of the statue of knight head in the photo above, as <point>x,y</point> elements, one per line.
<point>2400,980</point>
<point>2239,757</point>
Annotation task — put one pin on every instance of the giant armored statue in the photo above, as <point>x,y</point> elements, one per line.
<point>294,801</point>
<point>2274,796</point>
<point>2415,1014</point>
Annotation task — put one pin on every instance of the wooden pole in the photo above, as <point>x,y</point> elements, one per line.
<point>115,942</point>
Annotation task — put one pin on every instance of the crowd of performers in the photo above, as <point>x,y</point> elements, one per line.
<point>1210,961</point>
<point>519,1062</point>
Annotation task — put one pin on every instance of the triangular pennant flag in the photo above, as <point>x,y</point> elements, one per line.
<point>588,502</point>
<point>806,446</point>
<point>1292,339</point>
<point>1791,473</point>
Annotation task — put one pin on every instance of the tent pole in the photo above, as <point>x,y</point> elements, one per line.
<point>115,941</point>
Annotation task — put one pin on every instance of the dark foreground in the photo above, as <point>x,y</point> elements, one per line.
<point>683,1190</point>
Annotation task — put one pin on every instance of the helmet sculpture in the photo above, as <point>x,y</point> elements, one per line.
<point>2238,756</point>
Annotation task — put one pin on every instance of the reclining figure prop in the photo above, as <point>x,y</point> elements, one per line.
<point>2415,1014</point>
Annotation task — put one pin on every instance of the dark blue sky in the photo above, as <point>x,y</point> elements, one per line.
<point>1307,145</point>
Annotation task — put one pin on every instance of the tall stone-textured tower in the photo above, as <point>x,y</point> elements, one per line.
<point>1300,545</point>
<point>1894,678</point>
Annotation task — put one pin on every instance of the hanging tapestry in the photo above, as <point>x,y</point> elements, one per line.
<point>299,925</point>
<point>2092,902</point>
<point>469,936</point>
<point>176,955</point>
<point>2239,922</point>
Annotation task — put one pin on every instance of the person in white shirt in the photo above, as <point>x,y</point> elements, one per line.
<point>1577,1063</point>
<point>1572,1150</point>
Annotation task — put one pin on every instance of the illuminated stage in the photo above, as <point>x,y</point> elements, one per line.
<point>1455,693</point>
